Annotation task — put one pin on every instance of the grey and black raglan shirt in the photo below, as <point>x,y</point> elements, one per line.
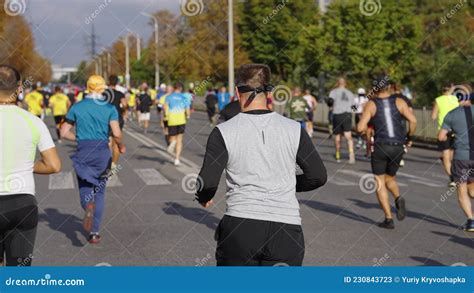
<point>259,150</point>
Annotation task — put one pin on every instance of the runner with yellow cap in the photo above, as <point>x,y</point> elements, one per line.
<point>93,119</point>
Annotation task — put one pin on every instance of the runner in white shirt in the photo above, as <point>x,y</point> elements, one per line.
<point>21,134</point>
<point>359,103</point>
<point>311,100</point>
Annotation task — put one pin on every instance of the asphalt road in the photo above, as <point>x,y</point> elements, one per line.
<point>152,220</point>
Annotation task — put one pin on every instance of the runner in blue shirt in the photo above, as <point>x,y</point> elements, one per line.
<point>93,119</point>
<point>223,98</point>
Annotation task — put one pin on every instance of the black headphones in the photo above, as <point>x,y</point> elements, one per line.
<point>243,88</point>
<point>17,74</point>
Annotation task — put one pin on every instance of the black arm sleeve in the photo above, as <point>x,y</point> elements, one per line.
<point>314,172</point>
<point>215,160</point>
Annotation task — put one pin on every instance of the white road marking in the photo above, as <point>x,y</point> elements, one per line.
<point>187,166</point>
<point>151,177</point>
<point>342,182</point>
<point>359,175</point>
<point>420,180</point>
<point>114,181</point>
<point>60,181</point>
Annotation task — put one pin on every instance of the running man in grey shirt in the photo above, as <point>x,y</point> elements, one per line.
<point>342,118</point>
<point>259,151</point>
<point>460,121</point>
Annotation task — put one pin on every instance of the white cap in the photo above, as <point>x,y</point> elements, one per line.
<point>163,86</point>
<point>361,91</point>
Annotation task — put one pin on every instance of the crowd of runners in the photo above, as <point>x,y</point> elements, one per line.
<point>257,148</point>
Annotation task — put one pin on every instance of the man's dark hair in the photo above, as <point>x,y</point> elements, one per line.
<point>113,80</point>
<point>34,87</point>
<point>9,79</point>
<point>178,86</point>
<point>254,75</point>
<point>57,89</point>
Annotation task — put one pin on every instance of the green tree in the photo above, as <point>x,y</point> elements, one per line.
<point>276,32</point>
<point>447,49</point>
<point>363,44</point>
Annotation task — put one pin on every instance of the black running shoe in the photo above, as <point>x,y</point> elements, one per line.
<point>469,226</point>
<point>401,210</point>
<point>387,224</point>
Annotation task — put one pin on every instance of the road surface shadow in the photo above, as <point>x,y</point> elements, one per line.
<point>69,225</point>
<point>469,242</point>
<point>336,210</point>
<point>426,261</point>
<point>197,215</point>
<point>411,214</point>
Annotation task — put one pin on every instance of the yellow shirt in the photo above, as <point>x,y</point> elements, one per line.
<point>59,103</point>
<point>153,94</point>
<point>34,100</point>
<point>132,99</point>
<point>445,104</point>
<point>80,97</point>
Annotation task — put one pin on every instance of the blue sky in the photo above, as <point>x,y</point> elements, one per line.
<point>60,27</point>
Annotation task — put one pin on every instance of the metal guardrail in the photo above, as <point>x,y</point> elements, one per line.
<point>426,129</point>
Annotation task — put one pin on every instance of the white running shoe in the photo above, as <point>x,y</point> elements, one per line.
<point>177,162</point>
<point>172,147</point>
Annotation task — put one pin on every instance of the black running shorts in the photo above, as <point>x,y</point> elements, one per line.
<point>18,223</point>
<point>463,171</point>
<point>342,123</point>
<point>447,144</point>
<point>175,130</point>
<point>247,242</point>
<point>386,159</point>
<point>59,119</point>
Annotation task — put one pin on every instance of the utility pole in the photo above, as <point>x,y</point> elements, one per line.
<point>157,37</point>
<point>93,41</point>
<point>231,48</point>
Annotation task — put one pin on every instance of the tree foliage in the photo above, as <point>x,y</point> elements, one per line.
<point>17,48</point>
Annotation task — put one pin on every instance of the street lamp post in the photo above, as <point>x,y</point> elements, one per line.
<point>127,62</point>
<point>157,63</point>
<point>231,48</point>
<point>139,47</point>
<point>104,66</point>
<point>100,65</point>
<point>109,65</point>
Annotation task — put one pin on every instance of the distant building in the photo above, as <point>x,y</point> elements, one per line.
<point>59,71</point>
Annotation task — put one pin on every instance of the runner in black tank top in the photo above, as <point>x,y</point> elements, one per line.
<point>387,114</point>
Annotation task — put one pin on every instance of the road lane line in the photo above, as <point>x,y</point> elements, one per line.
<point>359,174</point>
<point>187,166</point>
<point>60,181</point>
<point>114,181</point>
<point>342,182</point>
<point>152,177</point>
